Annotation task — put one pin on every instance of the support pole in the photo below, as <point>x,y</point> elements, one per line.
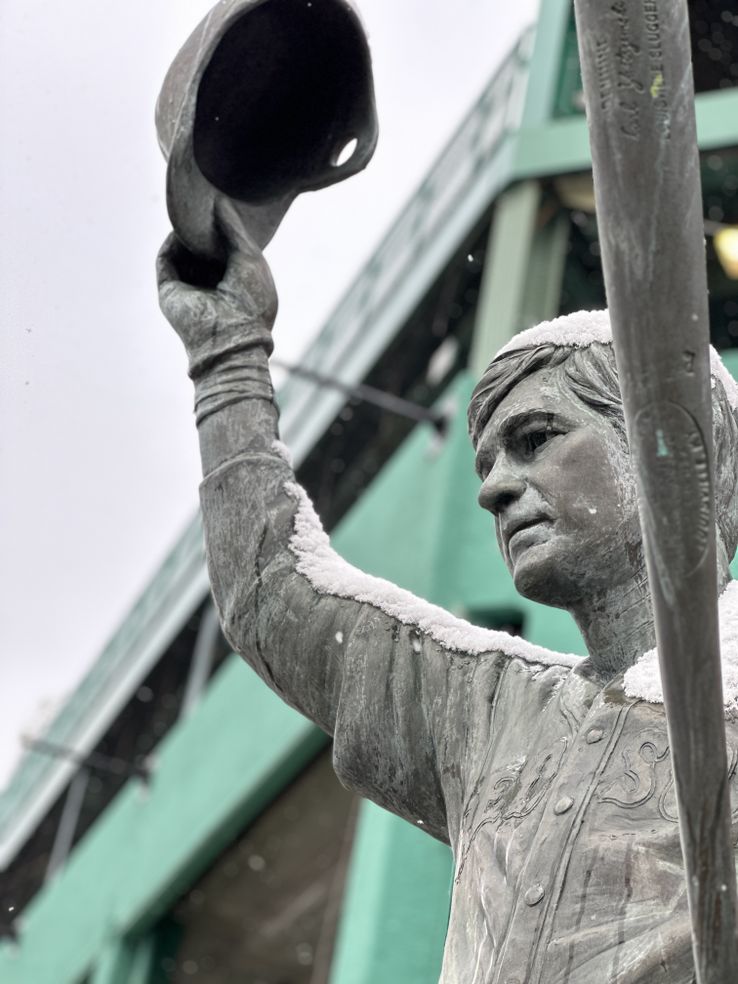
<point>67,823</point>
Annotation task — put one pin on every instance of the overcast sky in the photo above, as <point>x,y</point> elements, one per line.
<point>98,443</point>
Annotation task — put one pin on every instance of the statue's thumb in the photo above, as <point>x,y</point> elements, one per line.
<point>232,227</point>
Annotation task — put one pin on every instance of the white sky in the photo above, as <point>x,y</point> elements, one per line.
<point>97,440</point>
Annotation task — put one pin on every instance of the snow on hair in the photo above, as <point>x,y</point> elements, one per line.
<point>583,328</point>
<point>582,342</point>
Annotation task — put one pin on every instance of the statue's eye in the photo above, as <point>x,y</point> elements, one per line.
<point>535,439</point>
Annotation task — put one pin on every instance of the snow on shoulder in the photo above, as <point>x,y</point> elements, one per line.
<point>584,328</point>
<point>643,680</point>
<point>331,574</point>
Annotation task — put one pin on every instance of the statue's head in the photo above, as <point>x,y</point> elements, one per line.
<point>547,425</point>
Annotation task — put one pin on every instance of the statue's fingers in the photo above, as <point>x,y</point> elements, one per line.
<point>166,267</point>
<point>175,296</point>
<point>247,278</point>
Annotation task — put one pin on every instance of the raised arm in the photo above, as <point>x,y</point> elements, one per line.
<point>395,680</point>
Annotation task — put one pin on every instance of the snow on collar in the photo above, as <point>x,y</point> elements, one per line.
<point>330,574</point>
<point>643,680</point>
<point>583,328</point>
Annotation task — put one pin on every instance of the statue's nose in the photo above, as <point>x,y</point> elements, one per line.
<point>502,486</point>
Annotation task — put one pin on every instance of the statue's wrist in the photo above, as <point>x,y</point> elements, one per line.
<point>221,349</point>
<point>249,425</point>
<point>232,377</point>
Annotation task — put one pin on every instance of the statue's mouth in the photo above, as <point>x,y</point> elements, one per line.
<point>520,530</point>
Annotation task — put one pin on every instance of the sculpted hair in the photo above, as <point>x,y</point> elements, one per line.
<point>591,376</point>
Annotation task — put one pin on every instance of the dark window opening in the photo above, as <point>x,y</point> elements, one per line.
<point>714,38</point>
<point>23,877</point>
<point>713,29</point>
<point>510,620</point>
<point>583,286</point>
<point>266,911</point>
<point>139,727</point>
<point>430,349</point>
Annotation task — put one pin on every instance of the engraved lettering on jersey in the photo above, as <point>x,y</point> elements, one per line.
<point>636,785</point>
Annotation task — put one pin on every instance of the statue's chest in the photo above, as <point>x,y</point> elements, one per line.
<point>570,837</point>
<point>548,787</point>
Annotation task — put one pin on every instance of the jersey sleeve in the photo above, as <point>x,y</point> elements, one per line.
<point>396,681</point>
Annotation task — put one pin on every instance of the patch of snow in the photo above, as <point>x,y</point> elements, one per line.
<point>719,371</point>
<point>331,574</point>
<point>283,451</point>
<point>643,680</point>
<point>582,328</point>
<point>578,330</point>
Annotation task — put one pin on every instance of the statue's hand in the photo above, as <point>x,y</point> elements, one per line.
<point>237,311</point>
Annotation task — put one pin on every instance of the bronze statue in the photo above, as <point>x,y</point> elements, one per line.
<point>549,776</point>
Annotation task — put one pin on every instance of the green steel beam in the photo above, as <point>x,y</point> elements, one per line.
<point>505,272</point>
<point>545,68</point>
<point>561,147</point>
<point>396,906</point>
<point>113,965</point>
<point>717,119</point>
<point>541,297</point>
<point>142,967</point>
<point>125,962</point>
<point>521,282</point>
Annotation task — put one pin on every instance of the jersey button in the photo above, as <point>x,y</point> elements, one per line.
<point>594,735</point>
<point>534,894</point>
<point>564,804</point>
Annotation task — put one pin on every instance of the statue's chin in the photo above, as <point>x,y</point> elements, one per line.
<point>540,575</point>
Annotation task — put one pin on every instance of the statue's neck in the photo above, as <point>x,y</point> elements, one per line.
<point>617,624</point>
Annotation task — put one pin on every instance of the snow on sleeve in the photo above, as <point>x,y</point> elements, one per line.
<point>643,679</point>
<point>331,574</point>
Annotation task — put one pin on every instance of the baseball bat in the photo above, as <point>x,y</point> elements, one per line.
<point>639,95</point>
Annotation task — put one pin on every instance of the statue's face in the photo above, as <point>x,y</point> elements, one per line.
<point>558,480</point>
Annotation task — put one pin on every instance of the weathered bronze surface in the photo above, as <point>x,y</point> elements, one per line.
<point>549,776</point>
